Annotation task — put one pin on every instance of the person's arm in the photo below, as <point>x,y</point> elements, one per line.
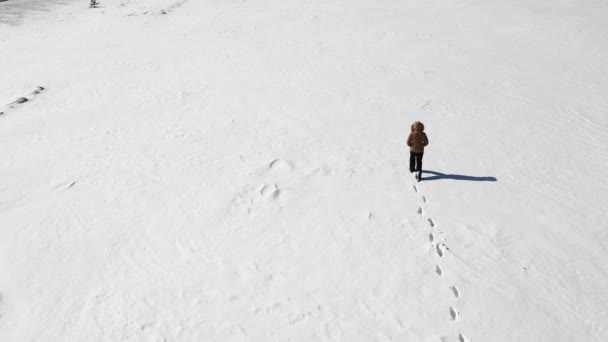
<point>409,140</point>
<point>426,140</point>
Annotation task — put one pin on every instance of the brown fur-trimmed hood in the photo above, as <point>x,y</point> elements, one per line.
<point>417,127</point>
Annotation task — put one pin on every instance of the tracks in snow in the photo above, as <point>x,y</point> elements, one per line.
<point>261,197</point>
<point>162,11</point>
<point>173,7</point>
<point>440,248</point>
<point>22,99</point>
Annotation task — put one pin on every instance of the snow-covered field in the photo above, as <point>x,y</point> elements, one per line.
<point>212,170</point>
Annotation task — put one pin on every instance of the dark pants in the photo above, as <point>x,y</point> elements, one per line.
<point>416,163</point>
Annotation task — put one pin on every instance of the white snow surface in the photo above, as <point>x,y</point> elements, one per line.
<point>214,170</point>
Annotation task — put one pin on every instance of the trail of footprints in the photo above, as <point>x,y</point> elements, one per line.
<point>440,249</point>
<point>22,99</point>
<point>162,11</point>
<point>173,7</point>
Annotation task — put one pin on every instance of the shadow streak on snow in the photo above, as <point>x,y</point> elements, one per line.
<point>438,175</point>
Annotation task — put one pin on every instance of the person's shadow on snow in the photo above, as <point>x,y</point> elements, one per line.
<point>438,175</point>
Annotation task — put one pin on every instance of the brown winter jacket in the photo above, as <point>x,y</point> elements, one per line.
<point>417,139</point>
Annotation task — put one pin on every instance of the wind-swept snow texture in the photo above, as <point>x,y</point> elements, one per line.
<point>237,171</point>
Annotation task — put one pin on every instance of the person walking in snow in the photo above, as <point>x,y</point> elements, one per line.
<point>417,140</point>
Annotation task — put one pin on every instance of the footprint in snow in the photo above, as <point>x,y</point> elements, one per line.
<point>453,313</point>
<point>275,167</point>
<point>431,223</point>
<point>280,164</point>
<point>431,237</point>
<point>455,291</point>
<point>269,190</point>
<point>415,188</point>
<point>461,338</point>
<point>439,249</point>
<point>424,199</point>
<point>438,270</point>
<point>420,211</point>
